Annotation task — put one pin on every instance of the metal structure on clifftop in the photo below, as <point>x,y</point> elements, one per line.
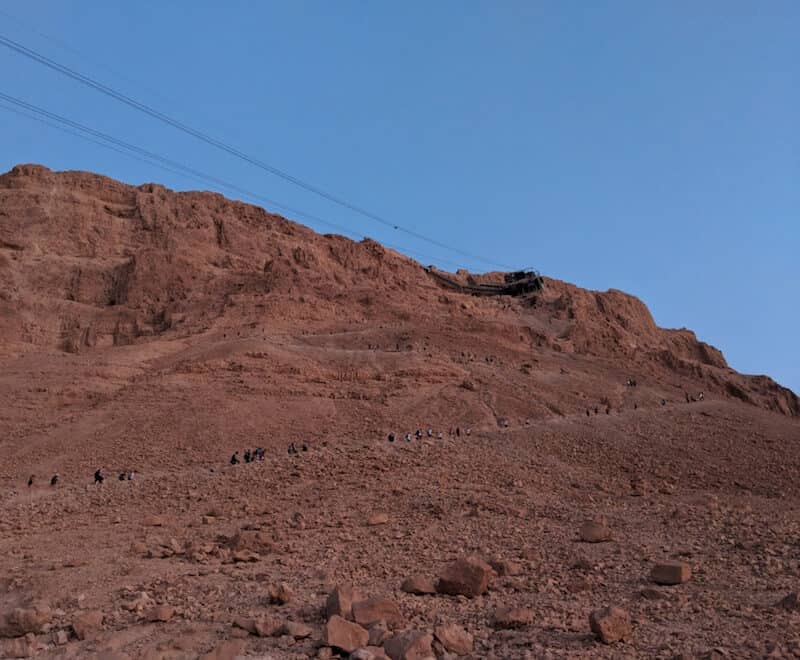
<point>516,283</point>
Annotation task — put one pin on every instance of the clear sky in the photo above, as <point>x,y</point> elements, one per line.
<point>649,147</point>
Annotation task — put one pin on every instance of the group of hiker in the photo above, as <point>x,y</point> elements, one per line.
<point>258,454</point>
<point>99,477</point>
<point>418,435</point>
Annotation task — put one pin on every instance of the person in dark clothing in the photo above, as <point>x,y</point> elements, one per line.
<point>292,449</point>
<point>305,446</point>
<point>30,481</point>
<point>98,476</point>
<point>122,476</point>
<point>588,414</point>
<point>54,480</point>
<point>458,431</point>
<point>246,455</point>
<point>595,410</point>
<point>235,458</point>
<point>391,437</point>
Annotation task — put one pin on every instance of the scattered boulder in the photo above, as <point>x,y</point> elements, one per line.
<point>671,572</point>
<point>296,630</point>
<point>162,614</point>
<point>250,625</point>
<point>21,647</point>
<point>454,639</point>
<point>88,625</point>
<point>378,633</point>
<point>610,624</point>
<point>468,576</point>
<point>594,532</point>
<point>419,585</point>
<point>409,645</point>
<point>372,610</point>
<point>344,635</point>
<point>378,519</point>
<point>513,617</point>
<point>279,594</point>
<point>340,602</point>
<point>267,627</point>
<point>20,621</point>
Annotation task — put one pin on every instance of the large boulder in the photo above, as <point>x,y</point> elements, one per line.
<point>410,645</point>
<point>372,610</point>
<point>671,572</point>
<point>454,639</point>
<point>468,576</point>
<point>419,585</point>
<point>610,624</point>
<point>19,621</point>
<point>344,635</point>
<point>88,625</point>
<point>513,617</point>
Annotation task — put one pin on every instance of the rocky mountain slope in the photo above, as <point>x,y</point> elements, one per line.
<point>158,332</point>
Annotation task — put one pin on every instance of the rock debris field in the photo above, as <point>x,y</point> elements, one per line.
<point>622,493</point>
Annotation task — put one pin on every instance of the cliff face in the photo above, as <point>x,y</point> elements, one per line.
<point>89,264</point>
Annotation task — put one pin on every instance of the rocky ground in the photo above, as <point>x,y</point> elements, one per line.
<point>580,517</point>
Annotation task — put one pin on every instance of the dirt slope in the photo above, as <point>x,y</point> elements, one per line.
<point>157,331</point>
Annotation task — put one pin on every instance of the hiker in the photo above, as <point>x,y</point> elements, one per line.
<point>98,476</point>
<point>588,414</point>
<point>439,435</point>
<point>635,405</point>
<point>469,430</point>
<point>391,437</point>
<point>305,446</point>
<point>458,431</point>
<point>418,434</point>
<point>700,396</point>
<point>408,437</point>
<point>235,458</point>
<point>131,475</point>
<point>608,410</point>
<point>292,448</point>
<point>688,400</point>
<point>54,480</point>
<point>30,481</point>
<point>246,455</point>
<point>595,410</point>
<point>430,433</point>
<point>663,402</point>
<point>122,476</point>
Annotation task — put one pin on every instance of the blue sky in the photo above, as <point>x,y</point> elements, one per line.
<point>649,147</point>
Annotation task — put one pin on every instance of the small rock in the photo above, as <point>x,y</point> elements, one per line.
<point>513,617</point>
<point>88,625</point>
<point>454,639</point>
<point>378,519</point>
<point>372,610</point>
<point>594,532</point>
<point>344,635</point>
<point>610,624</point>
<point>60,637</point>
<point>249,625</point>
<point>409,645</point>
<point>419,585</point>
<point>279,594</point>
<point>671,572</point>
<point>154,521</point>
<point>468,576</point>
